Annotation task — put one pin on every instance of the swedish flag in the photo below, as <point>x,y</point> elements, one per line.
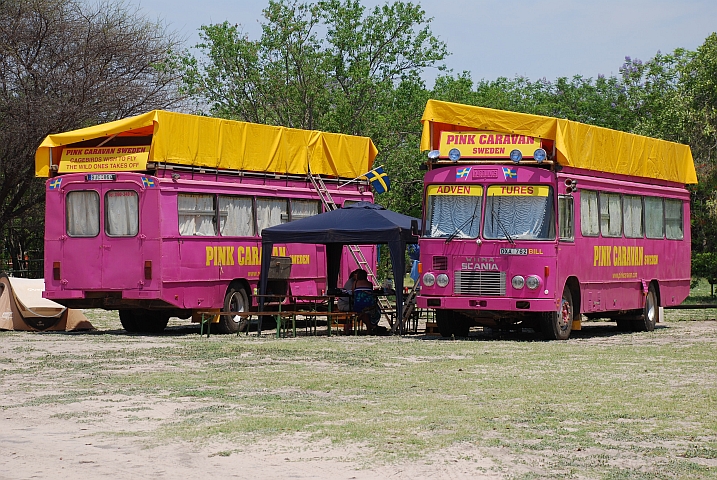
<point>148,182</point>
<point>55,184</point>
<point>463,172</point>
<point>379,180</point>
<point>510,173</point>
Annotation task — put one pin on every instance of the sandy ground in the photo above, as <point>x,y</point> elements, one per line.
<point>48,441</point>
<point>62,441</point>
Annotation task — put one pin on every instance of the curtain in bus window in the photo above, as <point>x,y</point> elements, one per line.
<point>196,215</point>
<point>589,214</point>
<point>304,208</point>
<point>522,217</point>
<point>449,214</point>
<point>83,214</point>
<point>673,219</point>
<point>121,213</point>
<point>654,218</point>
<point>270,212</point>
<point>610,215</point>
<point>565,217</point>
<point>236,217</point>
<point>632,216</point>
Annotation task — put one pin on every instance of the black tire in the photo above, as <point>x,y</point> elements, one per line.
<point>236,300</point>
<point>557,325</point>
<point>143,321</point>
<point>450,323</point>
<point>650,312</point>
<point>127,320</point>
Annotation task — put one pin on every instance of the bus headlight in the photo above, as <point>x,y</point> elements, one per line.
<point>532,282</point>
<point>429,279</point>
<point>518,282</point>
<point>442,280</point>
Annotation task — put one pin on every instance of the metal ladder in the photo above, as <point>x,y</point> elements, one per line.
<point>356,252</point>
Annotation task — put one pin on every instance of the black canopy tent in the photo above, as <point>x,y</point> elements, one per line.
<point>362,223</point>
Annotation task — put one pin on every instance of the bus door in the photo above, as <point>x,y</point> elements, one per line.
<point>103,245</point>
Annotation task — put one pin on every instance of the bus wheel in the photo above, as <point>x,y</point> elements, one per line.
<point>128,321</point>
<point>143,321</point>
<point>236,300</point>
<point>650,313</point>
<point>558,325</point>
<point>450,323</point>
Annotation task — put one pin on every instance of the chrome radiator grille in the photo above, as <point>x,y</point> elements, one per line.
<point>479,283</point>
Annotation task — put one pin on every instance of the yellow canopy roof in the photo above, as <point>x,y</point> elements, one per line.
<point>577,144</point>
<point>183,139</point>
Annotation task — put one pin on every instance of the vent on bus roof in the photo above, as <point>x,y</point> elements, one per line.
<point>479,283</point>
<point>440,263</point>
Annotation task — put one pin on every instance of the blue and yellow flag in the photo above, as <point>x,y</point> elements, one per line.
<point>55,184</point>
<point>379,180</point>
<point>148,182</point>
<point>509,173</point>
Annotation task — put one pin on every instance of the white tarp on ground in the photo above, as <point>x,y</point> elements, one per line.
<point>23,308</point>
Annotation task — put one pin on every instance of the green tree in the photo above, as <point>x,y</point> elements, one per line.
<point>598,101</point>
<point>360,76</point>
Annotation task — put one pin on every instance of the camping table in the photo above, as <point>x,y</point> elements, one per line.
<point>313,301</point>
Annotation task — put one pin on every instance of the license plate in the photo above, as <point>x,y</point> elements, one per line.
<point>91,177</point>
<point>513,251</point>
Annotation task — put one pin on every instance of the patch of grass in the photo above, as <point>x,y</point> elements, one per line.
<point>615,406</point>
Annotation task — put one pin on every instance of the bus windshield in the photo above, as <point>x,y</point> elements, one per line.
<point>453,211</point>
<point>519,212</point>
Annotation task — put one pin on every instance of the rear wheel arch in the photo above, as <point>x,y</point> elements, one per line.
<point>574,285</point>
<point>238,292</point>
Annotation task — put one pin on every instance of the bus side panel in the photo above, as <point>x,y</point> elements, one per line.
<point>615,272</point>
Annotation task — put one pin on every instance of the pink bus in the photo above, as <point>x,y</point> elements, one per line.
<point>538,222</point>
<point>160,215</point>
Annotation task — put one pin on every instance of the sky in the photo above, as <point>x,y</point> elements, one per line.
<point>507,38</point>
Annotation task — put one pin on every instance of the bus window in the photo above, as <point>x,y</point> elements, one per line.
<point>632,215</point>
<point>673,219</point>
<point>83,213</point>
<point>304,209</point>
<point>565,217</point>
<point>197,215</point>
<point>610,215</point>
<point>121,213</point>
<point>453,213</point>
<point>524,212</point>
<point>654,218</point>
<point>236,216</point>
<point>589,216</point>
<point>271,212</point>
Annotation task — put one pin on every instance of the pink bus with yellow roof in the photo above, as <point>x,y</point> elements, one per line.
<point>161,214</point>
<point>540,222</point>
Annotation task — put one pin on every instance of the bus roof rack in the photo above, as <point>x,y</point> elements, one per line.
<point>576,144</point>
<point>216,143</point>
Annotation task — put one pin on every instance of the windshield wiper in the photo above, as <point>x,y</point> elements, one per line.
<point>458,229</point>
<point>500,224</point>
